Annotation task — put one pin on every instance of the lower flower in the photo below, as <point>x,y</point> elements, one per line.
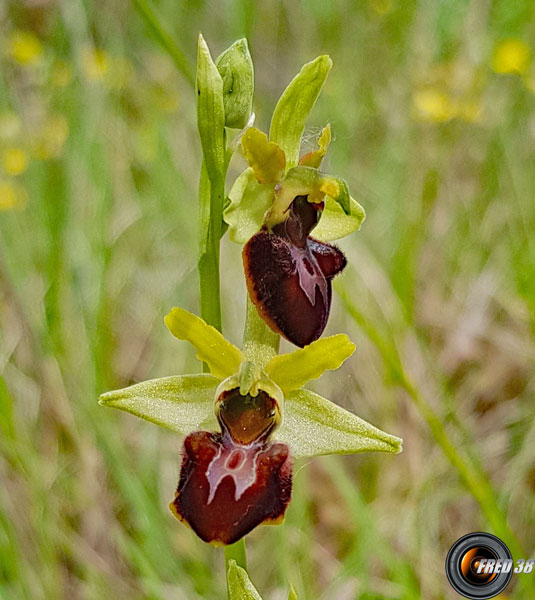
<point>226,489</point>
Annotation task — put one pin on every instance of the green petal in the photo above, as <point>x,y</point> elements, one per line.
<point>313,426</point>
<point>249,202</point>
<point>219,354</point>
<point>239,585</point>
<point>294,106</point>
<point>265,158</point>
<point>182,403</point>
<point>292,371</point>
<point>335,223</point>
<point>236,69</point>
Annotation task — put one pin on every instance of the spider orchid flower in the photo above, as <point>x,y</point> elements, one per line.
<point>274,211</point>
<point>245,422</point>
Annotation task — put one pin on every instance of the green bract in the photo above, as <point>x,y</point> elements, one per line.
<point>239,585</point>
<point>236,69</point>
<point>311,425</point>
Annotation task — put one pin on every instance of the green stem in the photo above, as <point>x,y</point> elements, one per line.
<point>146,10</point>
<point>210,215</point>
<point>260,343</point>
<point>474,478</point>
<point>237,552</point>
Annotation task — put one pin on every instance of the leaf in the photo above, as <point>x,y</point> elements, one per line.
<point>239,585</point>
<point>265,158</point>
<point>314,157</point>
<point>181,403</point>
<point>292,595</point>
<point>335,224</point>
<point>249,203</point>
<point>292,371</point>
<point>236,69</point>
<point>294,106</point>
<point>313,425</point>
<point>210,113</point>
<point>219,354</point>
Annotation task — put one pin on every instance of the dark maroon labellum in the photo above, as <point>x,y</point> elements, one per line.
<point>289,274</point>
<point>227,489</point>
<point>247,418</point>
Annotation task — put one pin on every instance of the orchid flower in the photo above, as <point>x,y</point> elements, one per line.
<point>245,422</point>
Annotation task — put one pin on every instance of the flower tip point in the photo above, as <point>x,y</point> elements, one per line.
<point>397,445</point>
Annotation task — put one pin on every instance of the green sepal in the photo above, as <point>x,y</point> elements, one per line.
<point>265,158</point>
<point>239,585</point>
<point>236,69</point>
<point>313,425</point>
<point>249,202</point>
<point>335,223</point>
<point>292,371</point>
<point>314,157</point>
<point>294,106</point>
<point>292,594</point>
<point>219,354</point>
<point>210,113</point>
<point>182,403</point>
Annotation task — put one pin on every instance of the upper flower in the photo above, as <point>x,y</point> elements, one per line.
<point>274,210</point>
<point>233,479</point>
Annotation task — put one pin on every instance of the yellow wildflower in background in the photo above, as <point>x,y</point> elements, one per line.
<point>120,73</point>
<point>12,196</point>
<point>511,56</point>
<point>10,126</point>
<point>61,74</point>
<point>165,100</point>
<point>433,105</point>
<point>25,48</point>
<point>14,161</point>
<point>95,64</point>
<point>469,110</point>
<point>52,138</point>
<point>381,7</point>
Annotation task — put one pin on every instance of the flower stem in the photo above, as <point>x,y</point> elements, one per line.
<point>237,552</point>
<point>260,343</point>
<point>210,209</point>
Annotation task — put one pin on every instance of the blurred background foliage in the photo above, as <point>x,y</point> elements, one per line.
<point>431,105</point>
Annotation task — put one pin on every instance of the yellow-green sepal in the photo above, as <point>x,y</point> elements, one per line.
<point>249,201</point>
<point>265,158</point>
<point>294,106</point>
<point>313,426</point>
<point>239,585</point>
<point>222,357</point>
<point>292,371</point>
<point>182,403</point>
<point>335,223</point>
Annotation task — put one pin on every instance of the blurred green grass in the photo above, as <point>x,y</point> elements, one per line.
<point>431,105</point>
